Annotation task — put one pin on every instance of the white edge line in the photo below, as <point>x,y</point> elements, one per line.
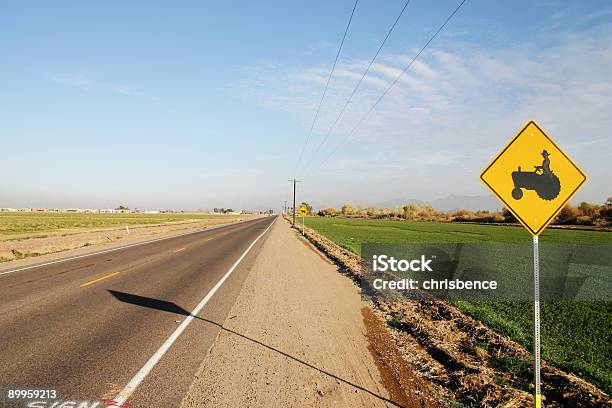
<point>108,250</point>
<point>131,386</point>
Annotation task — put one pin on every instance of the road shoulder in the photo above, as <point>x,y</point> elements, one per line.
<point>294,337</point>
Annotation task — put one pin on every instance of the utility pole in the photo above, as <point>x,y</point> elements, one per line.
<point>285,208</point>
<point>294,181</point>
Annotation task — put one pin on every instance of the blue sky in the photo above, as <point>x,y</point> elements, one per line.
<point>203,104</point>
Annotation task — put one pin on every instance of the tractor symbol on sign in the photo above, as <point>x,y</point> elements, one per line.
<point>545,183</point>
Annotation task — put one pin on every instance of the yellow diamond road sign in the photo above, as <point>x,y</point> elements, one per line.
<point>303,211</point>
<point>533,178</point>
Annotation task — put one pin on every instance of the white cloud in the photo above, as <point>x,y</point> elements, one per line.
<point>468,101</point>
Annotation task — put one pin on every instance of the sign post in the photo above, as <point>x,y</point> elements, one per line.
<point>303,212</point>
<point>536,322</point>
<point>534,198</point>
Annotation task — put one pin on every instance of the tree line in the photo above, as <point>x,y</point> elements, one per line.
<point>583,214</point>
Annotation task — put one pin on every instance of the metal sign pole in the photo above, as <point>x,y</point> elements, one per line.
<point>536,322</point>
<point>303,224</point>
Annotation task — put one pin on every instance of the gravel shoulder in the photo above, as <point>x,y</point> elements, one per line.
<point>295,337</point>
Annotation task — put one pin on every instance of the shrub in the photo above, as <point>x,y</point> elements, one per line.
<point>348,209</point>
<point>508,216</point>
<point>328,212</point>
<point>590,210</point>
<point>410,211</point>
<point>567,215</point>
<point>605,212</point>
<point>584,220</point>
<point>461,213</point>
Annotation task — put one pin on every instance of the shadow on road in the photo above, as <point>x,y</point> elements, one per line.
<point>151,303</point>
<point>171,307</point>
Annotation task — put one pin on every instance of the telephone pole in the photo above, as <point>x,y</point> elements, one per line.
<point>285,208</point>
<point>294,181</point>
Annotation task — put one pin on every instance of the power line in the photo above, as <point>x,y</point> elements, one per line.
<point>365,73</point>
<point>314,120</point>
<point>393,83</point>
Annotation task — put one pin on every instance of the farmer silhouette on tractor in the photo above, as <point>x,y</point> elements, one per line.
<point>545,167</point>
<point>545,183</point>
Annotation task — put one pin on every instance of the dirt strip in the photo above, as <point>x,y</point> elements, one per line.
<point>404,387</point>
<point>296,336</point>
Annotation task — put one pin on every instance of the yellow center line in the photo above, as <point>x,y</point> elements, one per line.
<point>179,250</point>
<point>99,279</point>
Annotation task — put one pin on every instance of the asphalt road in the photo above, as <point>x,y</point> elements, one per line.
<point>87,326</point>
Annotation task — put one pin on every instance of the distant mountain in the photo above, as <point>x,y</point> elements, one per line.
<point>472,203</point>
<point>450,203</point>
<point>399,202</point>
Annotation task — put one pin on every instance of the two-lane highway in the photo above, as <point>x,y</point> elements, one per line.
<point>91,326</point>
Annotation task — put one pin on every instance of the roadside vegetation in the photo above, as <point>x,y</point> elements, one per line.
<point>585,214</point>
<point>352,232</point>
<point>575,335</point>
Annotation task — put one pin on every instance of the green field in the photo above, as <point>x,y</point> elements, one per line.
<point>576,336</point>
<point>38,223</point>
